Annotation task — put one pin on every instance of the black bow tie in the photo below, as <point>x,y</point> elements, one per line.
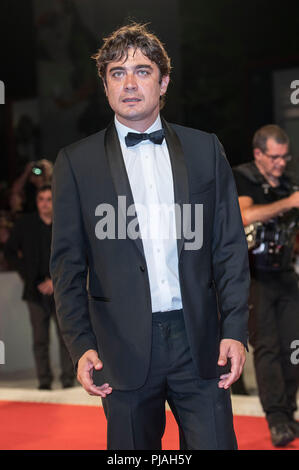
<point>132,138</point>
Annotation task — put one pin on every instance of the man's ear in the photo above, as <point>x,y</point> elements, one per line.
<point>164,84</point>
<point>257,154</point>
<point>105,87</point>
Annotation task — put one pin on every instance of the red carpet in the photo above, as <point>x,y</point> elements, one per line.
<point>40,426</point>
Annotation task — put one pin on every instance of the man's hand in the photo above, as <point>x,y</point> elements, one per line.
<point>235,351</point>
<point>89,361</point>
<point>46,287</point>
<point>28,168</point>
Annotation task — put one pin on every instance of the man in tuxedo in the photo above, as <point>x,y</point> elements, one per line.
<point>149,317</point>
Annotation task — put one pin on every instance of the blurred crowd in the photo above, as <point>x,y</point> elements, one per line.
<point>20,198</point>
<point>26,233</point>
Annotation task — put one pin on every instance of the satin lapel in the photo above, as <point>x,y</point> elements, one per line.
<point>180,180</point>
<point>120,180</point>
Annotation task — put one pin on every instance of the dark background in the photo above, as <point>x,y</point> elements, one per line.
<point>224,54</point>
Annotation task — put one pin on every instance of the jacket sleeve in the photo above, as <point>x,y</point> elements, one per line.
<point>230,253</point>
<point>68,262</point>
<point>13,248</point>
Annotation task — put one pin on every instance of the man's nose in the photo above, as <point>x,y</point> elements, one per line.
<point>130,82</point>
<point>282,163</point>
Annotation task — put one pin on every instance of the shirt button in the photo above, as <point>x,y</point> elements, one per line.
<point>142,268</point>
<point>162,282</point>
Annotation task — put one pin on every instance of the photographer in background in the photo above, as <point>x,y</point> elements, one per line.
<point>35,175</point>
<point>269,203</point>
<point>28,252</point>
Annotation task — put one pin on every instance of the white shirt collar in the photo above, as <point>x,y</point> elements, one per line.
<point>122,130</point>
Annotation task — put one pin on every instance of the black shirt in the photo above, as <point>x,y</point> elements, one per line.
<point>250,182</point>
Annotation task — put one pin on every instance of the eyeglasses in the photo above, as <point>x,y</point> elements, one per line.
<point>274,158</point>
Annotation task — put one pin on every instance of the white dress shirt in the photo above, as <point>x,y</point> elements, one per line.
<point>149,171</point>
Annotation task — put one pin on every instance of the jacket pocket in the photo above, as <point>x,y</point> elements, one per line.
<point>100,299</point>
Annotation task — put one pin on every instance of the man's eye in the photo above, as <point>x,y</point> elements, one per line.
<point>143,72</point>
<point>117,74</point>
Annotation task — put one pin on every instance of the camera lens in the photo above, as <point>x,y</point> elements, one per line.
<point>37,170</point>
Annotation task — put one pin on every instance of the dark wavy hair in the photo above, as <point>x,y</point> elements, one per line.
<point>44,187</point>
<point>136,36</point>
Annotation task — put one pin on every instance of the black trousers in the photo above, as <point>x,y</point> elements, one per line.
<point>273,326</point>
<point>40,316</point>
<point>136,419</point>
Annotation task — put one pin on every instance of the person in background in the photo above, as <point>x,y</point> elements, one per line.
<point>269,203</point>
<point>28,251</point>
<point>23,190</point>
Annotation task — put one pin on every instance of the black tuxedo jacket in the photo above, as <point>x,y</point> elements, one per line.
<point>101,287</point>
